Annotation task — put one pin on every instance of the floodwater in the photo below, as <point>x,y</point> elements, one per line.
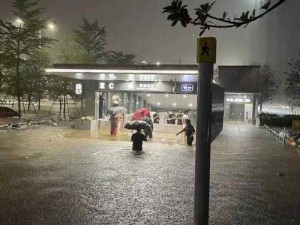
<point>57,175</point>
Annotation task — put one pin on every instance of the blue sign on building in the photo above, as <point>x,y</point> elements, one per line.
<point>187,87</point>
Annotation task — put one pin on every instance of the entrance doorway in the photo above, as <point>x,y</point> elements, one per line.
<point>237,112</point>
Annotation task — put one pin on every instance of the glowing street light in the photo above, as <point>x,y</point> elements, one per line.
<point>19,21</point>
<point>51,26</point>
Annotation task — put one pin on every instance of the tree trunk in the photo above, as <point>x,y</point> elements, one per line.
<point>64,107</point>
<point>29,102</point>
<point>60,106</point>
<point>18,86</point>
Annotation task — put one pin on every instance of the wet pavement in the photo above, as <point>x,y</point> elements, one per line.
<point>51,175</point>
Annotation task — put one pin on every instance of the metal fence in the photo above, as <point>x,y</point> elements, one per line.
<point>281,135</point>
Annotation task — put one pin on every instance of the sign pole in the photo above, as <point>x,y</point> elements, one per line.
<point>206,59</point>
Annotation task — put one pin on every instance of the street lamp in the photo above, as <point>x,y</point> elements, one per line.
<point>19,21</point>
<point>51,26</point>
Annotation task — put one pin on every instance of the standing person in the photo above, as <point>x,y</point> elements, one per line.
<point>137,140</point>
<point>116,100</point>
<point>179,118</point>
<point>171,118</point>
<point>121,119</point>
<point>156,117</point>
<point>148,132</point>
<point>185,117</point>
<point>102,99</point>
<point>189,132</point>
<point>113,124</point>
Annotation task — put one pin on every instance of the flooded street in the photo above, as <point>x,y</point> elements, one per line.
<point>54,175</point>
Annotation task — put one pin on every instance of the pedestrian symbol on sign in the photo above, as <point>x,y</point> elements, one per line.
<point>206,51</point>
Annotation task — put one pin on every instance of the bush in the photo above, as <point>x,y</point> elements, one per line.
<point>274,120</point>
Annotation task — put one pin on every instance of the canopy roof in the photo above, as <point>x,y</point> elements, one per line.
<point>183,73</point>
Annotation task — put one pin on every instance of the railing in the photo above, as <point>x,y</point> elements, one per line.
<point>280,136</point>
<point>18,125</point>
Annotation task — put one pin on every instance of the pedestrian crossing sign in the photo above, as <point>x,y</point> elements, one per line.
<point>206,50</point>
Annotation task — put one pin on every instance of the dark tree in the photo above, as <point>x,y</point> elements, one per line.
<point>21,40</point>
<point>292,84</point>
<point>60,88</point>
<point>267,86</point>
<point>34,78</point>
<point>91,41</point>
<point>206,20</point>
<point>119,58</point>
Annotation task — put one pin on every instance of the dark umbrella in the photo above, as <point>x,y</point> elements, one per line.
<point>137,124</point>
<point>116,110</point>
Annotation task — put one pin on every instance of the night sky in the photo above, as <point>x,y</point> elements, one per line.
<point>139,27</point>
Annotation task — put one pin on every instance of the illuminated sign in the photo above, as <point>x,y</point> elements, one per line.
<point>187,87</point>
<point>239,100</point>
<point>78,89</point>
<point>144,86</point>
<point>111,86</point>
<point>102,86</point>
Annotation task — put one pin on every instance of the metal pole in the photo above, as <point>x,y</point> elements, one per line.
<point>202,170</point>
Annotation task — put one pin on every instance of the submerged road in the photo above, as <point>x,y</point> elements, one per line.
<point>49,176</point>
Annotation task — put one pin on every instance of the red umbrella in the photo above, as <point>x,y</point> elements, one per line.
<point>145,112</point>
<point>139,114</point>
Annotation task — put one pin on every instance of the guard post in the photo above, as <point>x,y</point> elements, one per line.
<point>206,57</point>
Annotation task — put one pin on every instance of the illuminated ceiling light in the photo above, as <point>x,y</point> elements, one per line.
<point>148,95</point>
<point>184,96</point>
<point>158,63</point>
<point>174,104</point>
<point>137,103</point>
<point>166,95</point>
<point>111,71</point>
<point>131,77</point>
<point>158,103</point>
<point>112,76</point>
<point>190,105</point>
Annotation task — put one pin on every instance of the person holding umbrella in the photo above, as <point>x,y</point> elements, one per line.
<point>189,132</point>
<point>137,140</point>
<point>113,124</point>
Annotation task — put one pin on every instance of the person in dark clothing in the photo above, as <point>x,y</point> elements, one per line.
<point>156,117</point>
<point>171,119</point>
<point>179,118</point>
<point>148,132</point>
<point>189,132</point>
<point>102,99</point>
<point>137,140</point>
